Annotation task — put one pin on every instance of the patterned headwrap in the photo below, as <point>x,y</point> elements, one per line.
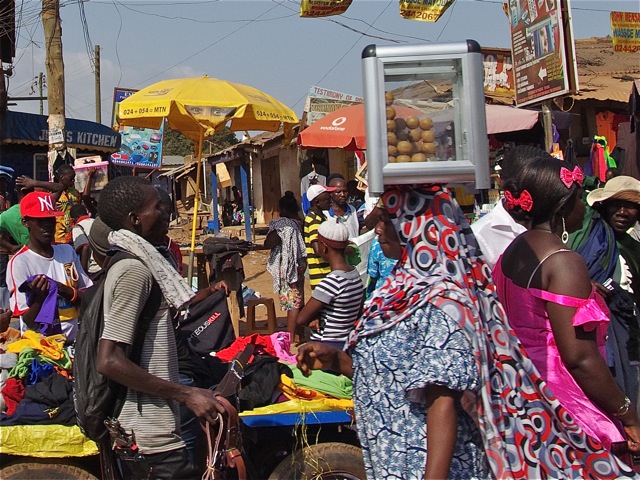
<point>526,432</point>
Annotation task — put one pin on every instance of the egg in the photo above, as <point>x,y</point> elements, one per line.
<point>404,147</point>
<point>412,122</point>
<point>392,159</point>
<point>391,113</point>
<point>403,159</point>
<point>415,134</point>
<point>419,157</point>
<point>427,136</point>
<point>426,123</point>
<point>388,98</point>
<point>393,151</point>
<point>402,135</point>
<point>400,124</point>
<point>391,138</point>
<point>391,125</point>
<point>428,148</point>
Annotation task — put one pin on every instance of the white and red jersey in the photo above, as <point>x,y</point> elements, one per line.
<point>64,267</point>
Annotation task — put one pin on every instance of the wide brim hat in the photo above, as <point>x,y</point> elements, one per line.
<point>618,188</point>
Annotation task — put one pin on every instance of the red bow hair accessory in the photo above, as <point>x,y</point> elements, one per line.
<point>524,201</point>
<point>568,177</point>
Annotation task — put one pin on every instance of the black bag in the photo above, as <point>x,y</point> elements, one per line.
<point>95,397</point>
<point>208,324</point>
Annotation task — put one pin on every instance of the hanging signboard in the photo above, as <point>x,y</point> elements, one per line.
<point>424,10</point>
<point>141,147</point>
<point>542,49</point>
<point>498,72</point>
<point>321,101</point>
<point>323,8</point>
<point>625,32</point>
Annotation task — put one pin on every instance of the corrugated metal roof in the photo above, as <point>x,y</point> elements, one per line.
<point>602,73</point>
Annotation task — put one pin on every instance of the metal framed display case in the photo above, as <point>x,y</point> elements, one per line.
<point>424,115</point>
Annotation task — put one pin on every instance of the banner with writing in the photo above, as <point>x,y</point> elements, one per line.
<point>140,147</point>
<point>424,10</point>
<point>539,52</point>
<point>321,101</point>
<point>625,32</point>
<point>323,8</point>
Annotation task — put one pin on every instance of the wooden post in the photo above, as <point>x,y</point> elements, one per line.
<point>547,124</point>
<point>96,57</point>
<point>55,77</point>
<point>234,311</point>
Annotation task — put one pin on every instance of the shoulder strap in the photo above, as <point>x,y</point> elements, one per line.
<point>541,261</point>
<point>565,300</point>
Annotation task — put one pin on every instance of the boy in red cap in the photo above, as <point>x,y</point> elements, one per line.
<point>44,279</point>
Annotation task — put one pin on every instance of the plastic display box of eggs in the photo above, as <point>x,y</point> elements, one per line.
<point>410,139</point>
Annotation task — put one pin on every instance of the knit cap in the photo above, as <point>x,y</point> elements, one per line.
<point>333,233</point>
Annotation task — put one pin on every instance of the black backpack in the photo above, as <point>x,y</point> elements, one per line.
<point>95,397</point>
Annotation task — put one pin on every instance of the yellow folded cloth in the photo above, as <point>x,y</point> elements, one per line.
<point>48,346</point>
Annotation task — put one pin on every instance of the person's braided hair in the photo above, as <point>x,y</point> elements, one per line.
<point>541,178</point>
<point>121,196</point>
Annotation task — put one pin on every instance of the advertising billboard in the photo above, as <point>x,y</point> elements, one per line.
<point>542,49</point>
<point>141,147</point>
<point>625,32</point>
<point>498,72</point>
<point>321,101</point>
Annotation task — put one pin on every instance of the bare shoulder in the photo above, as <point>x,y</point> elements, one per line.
<point>566,273</point>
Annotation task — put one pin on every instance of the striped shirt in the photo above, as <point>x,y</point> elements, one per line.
<point>341,292</point>
<point>318,267</point>
<point>154,420</point>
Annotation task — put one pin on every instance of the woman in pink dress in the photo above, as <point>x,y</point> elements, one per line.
<point>552,305</point>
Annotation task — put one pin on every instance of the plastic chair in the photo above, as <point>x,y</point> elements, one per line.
<point>251,316</point>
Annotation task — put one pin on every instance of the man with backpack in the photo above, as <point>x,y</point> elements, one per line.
<point>149,416</point>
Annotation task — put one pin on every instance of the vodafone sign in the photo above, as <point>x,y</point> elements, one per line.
<point>336,125</point>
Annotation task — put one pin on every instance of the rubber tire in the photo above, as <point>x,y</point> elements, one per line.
<point>44,470</point>
<point>328,461</point>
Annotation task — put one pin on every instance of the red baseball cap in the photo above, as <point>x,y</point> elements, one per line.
<point>39,205</point>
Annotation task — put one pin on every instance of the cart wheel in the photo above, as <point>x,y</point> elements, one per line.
<point>44,470</point>
<point>328,461</point>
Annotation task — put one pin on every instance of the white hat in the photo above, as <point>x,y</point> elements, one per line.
<point>333,233</point>
<point>618,188</point>
<point>317,189</point>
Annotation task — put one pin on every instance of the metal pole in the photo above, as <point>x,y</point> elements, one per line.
<point>244,176</point>
<point>96,57</point>
<point>40,81</point>
<point>214,199</point>
<point>547,124</point>
<point>196,204</point>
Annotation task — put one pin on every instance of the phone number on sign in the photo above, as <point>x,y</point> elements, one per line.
<point>144,110</point>
<point>273,116</point>
<point>626,48</point>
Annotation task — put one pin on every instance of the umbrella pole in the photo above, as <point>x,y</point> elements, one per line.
<point>196,203</point>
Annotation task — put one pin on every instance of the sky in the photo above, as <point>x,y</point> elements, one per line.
<point>264,43</point>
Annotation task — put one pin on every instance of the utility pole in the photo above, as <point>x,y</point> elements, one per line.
<point>96,58</point>
<point>55,80</point>
<point>40,81</point>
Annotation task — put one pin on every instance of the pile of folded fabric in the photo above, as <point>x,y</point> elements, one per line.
<point>35,380</point>
<point>273,384</point>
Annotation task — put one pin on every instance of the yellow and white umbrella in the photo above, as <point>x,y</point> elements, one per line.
<point>197,108</point>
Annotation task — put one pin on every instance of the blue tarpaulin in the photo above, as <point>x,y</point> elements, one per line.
<point>31,129</point>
